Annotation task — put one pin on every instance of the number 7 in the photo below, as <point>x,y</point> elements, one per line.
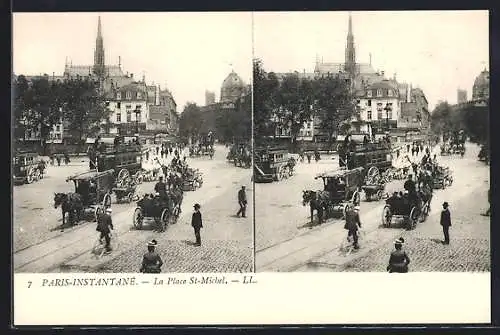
<point>29,284</point>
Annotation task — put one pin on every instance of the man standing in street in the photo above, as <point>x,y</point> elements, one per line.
<point>446,222</point>
<point>161,188</point>
<point>197,224</point>
<point>104,226</point>
<point>242,201</point>
<point>352,224</point>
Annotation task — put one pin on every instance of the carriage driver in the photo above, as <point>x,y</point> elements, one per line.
<point>410,187</point>
<point>161,188</point>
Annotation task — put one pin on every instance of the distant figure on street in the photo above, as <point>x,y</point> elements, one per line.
<point>151,261</point>
<point>104,226</point>
<point>446,223</point>
<point>397,154</point>
<point>352,224</point>
<point>242,201</point>
<point>157,150</point>
<point>399,260</point>
<point>366,140</point>
<point>488,211</point>
<point>308,157</point>
<point>408,148</point>
<point>417,149</point>
<point>58,158</point>
<point>197,224</point>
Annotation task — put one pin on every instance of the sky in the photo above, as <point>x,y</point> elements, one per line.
<point>438,51</point>
<point>187,53</point>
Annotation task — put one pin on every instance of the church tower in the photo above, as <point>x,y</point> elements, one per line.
<point>99,67</point>
<point>350,52</point>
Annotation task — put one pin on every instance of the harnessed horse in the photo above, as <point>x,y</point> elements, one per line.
<point>317,201</point>
<point>71,203</point>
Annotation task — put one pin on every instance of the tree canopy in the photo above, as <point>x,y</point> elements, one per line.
<point>474,119</point>
<point>39,104</point>
<point>292,101</point>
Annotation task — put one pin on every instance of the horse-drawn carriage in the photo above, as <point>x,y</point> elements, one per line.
<point>401,206</point>
<point>240,155</point>
<point>126,162</point>
<point>92,193</point>
<point>376,161</point>
<point>442,177</point>
<point>27,167</point>
<point>341,188</point>
<point>273,165</point>
<point>192,179</point>
<point>155,209</point>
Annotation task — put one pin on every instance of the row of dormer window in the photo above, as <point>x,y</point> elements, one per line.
<point>379,93</point>
<point>128,95</point>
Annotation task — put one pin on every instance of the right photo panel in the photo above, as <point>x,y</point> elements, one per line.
<point>371,141</point>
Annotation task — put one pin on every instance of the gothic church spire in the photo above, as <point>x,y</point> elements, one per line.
<point>350,51</point>
<point>99,65</point>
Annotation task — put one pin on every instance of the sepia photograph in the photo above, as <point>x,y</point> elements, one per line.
<point>132,143</point>
<point>372,141</point>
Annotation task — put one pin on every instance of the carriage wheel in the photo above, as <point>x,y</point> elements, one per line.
<point>138,218</point>
<point>130,197</point>
<point>29,176</point>
<point>425,212</point>
<point>380,195</point>
<point>123,175</point>
<point>164,218</point>
<point>106,201</point>
<point>414,215</point>
<point>386,216</point>
<point>356,198</point>
<point>372,173</point>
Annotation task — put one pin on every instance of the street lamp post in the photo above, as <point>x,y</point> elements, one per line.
<point>137,113</point>
<point>387,109</point>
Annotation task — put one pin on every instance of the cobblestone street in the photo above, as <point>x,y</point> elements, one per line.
<point>227,240</point>
<point>285,243</point>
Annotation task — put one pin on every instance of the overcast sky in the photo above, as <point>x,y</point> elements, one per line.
<point>437,51</point>
<point>187,52</point>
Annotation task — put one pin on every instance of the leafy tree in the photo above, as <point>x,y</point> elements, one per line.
<point>191,121</point>
<point>294,103</point>
<point>334,104</point>
<point>84,108</point>
<point>20,105</point>
<point>265,90</point>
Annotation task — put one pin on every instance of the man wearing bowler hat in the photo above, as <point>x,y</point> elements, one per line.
<point>197,224</point>
<point>446,222</point>
<point>242,201</point>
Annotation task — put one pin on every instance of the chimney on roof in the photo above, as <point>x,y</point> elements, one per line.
<point>120,61</point>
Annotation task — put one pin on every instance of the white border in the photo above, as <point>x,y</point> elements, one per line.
<point>276,298</point>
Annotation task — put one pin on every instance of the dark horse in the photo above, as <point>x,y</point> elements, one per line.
<point>316,201</point>
<point>70,203</point>
<point>177,195</point>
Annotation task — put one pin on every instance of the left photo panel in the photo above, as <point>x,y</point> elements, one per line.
<point>132,143</point>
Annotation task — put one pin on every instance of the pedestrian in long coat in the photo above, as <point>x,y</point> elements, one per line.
<point>352,224</point>
<point>446,222</point>
<point>399,260</point>
<point>151,261</point>
<point>197,224</point>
